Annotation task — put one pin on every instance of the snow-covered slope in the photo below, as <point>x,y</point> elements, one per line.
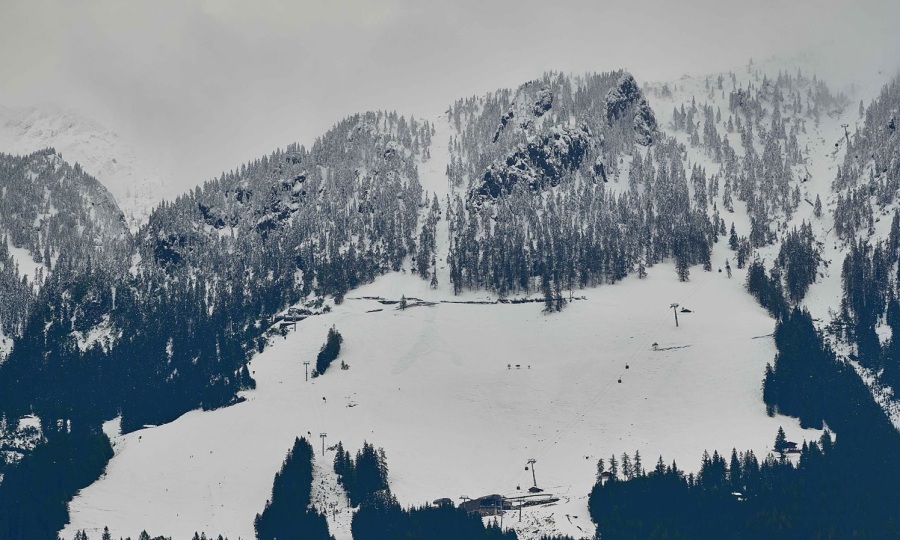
<point>439,388</point>
<point>136,181</point>
<point>823,145</point>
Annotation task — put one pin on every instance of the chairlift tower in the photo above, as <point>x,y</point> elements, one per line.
<point>531,462</point>
<point>675,309</point>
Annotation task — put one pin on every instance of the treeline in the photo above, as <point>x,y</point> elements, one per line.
<point>382,518</point>
<point>81,535</point>
<point>766,288</point>
<point>34,493</point>
<point>739,498</point>
<point>288,514</point>
<point>871,299</point>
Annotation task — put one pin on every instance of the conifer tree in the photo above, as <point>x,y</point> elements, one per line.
<point>601,468</point>
<point>780,440</point>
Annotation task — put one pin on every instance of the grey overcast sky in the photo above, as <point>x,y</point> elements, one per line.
<point>215,83</point>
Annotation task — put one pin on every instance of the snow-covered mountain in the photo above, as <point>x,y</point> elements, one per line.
<point>464,386</point>
<point>136,180</point>
<point>504,275</point>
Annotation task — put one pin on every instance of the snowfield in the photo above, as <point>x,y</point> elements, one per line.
<point>432,386</point>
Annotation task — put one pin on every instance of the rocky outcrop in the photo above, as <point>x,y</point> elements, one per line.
<point>626,99</point>
<point>538,164</point>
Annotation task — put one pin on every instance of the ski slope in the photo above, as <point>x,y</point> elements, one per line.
<point>430,384</point>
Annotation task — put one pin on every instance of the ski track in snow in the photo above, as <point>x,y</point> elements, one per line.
<point>433,177</point>
<point>329,497</point>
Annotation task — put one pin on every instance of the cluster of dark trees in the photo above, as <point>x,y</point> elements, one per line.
<point>382,518</point>
<point>766,288</point>
<point>287,513</point>
<point>739,497</point>
<point>871,284</point>
<point>365,477</point>
<point>329,351</point>
<point>34,493</point>
<point>809,382</point>
<point>799,259</point>
<point>425,263</point>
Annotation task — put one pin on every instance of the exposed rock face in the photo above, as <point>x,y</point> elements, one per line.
<point>624,95</point>
<point>528,105</point>
<point>645,127</point>
<point>626,98</point>
<point>537,164</point>
<point>544,102</point>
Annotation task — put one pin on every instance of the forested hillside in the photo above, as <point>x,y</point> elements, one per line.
<point>210,268</point>
<point>53,216</point>
<point>539,213</point>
